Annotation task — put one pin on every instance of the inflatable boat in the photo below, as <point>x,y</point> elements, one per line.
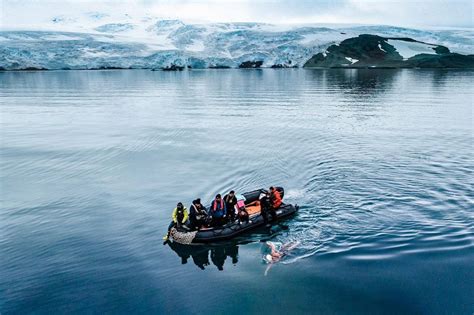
<point>233,229</point>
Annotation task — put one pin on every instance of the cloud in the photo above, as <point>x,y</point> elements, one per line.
<point>19,13</point>
<point>416,13</point>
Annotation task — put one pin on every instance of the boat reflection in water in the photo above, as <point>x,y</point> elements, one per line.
<point>203,255</point>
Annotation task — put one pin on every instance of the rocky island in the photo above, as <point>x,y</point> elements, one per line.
<point>372,51</point>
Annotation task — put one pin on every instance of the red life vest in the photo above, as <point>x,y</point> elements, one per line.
<point>214,205</point>
<point>276,199</point>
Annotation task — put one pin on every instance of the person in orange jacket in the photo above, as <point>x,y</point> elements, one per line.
<point>275,198</point>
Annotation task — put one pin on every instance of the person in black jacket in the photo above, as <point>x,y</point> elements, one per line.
<point>198,216</point>
<point>266,208</point>
<point>230,202</point>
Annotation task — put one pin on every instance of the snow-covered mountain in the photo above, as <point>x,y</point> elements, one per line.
<point>96,41</point>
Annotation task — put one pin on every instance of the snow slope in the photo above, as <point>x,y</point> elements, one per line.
<point>96,40</point>
<point>410,49</point>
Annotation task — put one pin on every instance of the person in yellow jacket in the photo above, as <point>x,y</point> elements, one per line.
<point>180,218</point>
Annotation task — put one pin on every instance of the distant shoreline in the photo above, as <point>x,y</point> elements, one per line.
<point>243,69</point>
<point>177,46</point>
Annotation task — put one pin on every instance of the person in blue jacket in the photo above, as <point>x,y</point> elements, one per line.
<point>218,211</point>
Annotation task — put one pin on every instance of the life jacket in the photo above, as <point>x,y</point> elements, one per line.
<point>200,214</point>
<point>214,205</point>
<point>276,199</point>
<point>180,215</point>
<point>230,200</point>
<point>240,204</point>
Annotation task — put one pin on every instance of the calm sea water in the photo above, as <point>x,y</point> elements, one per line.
<point>381,162</point>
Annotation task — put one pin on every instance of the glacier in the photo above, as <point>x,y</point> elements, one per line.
<point>99,41</point>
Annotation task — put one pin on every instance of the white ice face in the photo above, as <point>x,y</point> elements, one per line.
<point>102,41</point>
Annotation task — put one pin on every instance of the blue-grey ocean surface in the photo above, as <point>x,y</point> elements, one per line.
<point>381,162</point>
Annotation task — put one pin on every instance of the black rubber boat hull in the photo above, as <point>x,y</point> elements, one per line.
<point>230,231</point>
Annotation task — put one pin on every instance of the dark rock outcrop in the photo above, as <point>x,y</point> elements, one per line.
<point>107,68</point>
<point>219,67</point>
<point>173,68</point>
<point>371,51</point>
<point>251,64</point>
<point>33,69</point>
<point>284,65</point>
<point>450,60</point>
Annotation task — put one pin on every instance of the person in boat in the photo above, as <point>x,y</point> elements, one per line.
<point>230,202</point>
<point>197,215</point>
<point>218,211</point>
<point>275,198</point>
<point>266,208</point>
<point>242,213</point>
<point>179,219</point>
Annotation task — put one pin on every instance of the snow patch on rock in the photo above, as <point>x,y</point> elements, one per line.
<point>409,49</point>
<point>351,60</point>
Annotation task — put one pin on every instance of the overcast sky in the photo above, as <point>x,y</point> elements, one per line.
<point>432,13</point>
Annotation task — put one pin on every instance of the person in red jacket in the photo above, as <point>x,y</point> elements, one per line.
<point>218,211</point>
<point>275,198</point>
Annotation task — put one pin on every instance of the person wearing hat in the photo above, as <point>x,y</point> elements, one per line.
<point>218,211</point>
<point>242,213</point>
<point>267,208</point>
<point>197,215</point>
<point>230,202</point>
<point>180,218</point>
<point>275,198</point>
<point>274,253</point>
